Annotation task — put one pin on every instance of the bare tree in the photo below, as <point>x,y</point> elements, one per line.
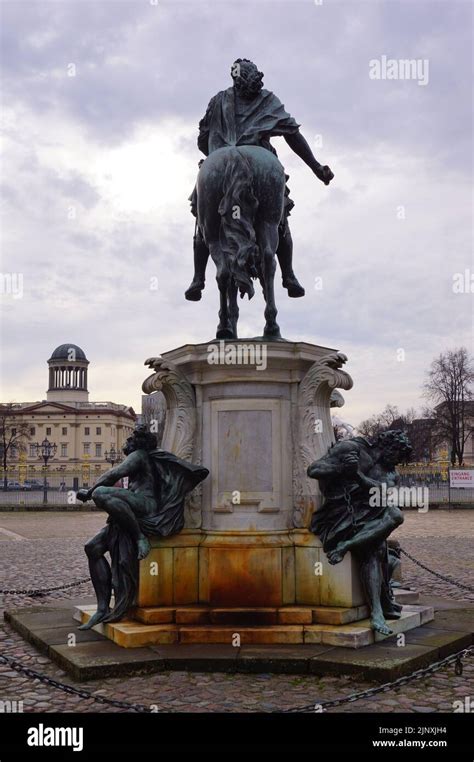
<point>450,389</point>
<point>379,422</point>
<point>13,436</point>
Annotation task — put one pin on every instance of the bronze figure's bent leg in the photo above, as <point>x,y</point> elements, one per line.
<point>101,576</point>
<point>371,533</point>
<point>120,504</point>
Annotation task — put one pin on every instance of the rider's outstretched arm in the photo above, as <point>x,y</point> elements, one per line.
<point>300,146</point>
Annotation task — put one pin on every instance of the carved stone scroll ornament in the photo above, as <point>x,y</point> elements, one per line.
<point>179,436</point>
<point>312,428</point>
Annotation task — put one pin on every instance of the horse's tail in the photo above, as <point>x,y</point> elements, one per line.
<point>237,208</point>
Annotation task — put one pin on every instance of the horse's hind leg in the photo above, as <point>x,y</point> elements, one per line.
<point>268,243</point>
<point>224,329</point>
<point>233,306</point>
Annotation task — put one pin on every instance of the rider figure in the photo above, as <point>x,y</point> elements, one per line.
<point>247,114</point>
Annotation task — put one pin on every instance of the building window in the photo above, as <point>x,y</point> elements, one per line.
<point>32,451</point>
<point>48,431</point>
<point>13,432</point>
<point>13,453</point>
<point>32,431</point>
<point>98,430</point>
<point>87,431</point>
<point>64,451</point>
<point>64,429</point>
<point>87,448</point>
<point>98,451</point>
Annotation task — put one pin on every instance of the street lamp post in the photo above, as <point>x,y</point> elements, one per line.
<point>112,456</point>
<point>45,451</point>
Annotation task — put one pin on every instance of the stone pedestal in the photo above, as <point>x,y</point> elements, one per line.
<point>256,414</point>
<point>246,569</point>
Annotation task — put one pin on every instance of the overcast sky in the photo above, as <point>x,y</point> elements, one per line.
<point>97,168</point>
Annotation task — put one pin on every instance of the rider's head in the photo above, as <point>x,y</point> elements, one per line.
<point>395,447</point>
<point>141,439</point>
<point>247,78</point>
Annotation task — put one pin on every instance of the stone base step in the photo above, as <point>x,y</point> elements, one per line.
<point>406,596</point>
<point>298,615</point>
<point>132,634</point>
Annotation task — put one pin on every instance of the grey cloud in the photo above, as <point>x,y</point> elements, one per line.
<point>89,282</point>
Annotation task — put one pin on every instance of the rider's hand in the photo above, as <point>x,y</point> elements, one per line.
<point>324,174</point>
<point>84,495</point>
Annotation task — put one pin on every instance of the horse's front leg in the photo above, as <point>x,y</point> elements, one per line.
<point>268,242</point>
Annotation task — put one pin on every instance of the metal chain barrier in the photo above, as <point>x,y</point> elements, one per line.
<point>350,507</point>
<point>435,667</point>
<point>38,592</point>
<point>437,574</point>
<point>45,680</point>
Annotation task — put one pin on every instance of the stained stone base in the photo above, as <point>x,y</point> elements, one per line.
<point>185,626</point>
<point>256,588</point>
<point>247,569</point>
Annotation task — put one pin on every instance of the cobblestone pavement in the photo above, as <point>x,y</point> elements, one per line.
<point>442,540</point>
<point>46,549</point>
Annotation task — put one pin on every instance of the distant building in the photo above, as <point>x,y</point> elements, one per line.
<point>426,443</point>
<point>83,431</point>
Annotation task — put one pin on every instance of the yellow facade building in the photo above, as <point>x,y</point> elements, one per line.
<point>85,433</point>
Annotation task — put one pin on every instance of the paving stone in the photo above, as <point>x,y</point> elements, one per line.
<point>381,661</point>
<point>440,539</point>
<point>105,659</point>
<point>446,641</point>
<point>198,656</point>
<point>454,619</point>
<point>287,659</point>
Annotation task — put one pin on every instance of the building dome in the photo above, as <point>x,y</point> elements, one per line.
<point>68,374</point>
<point>64,352</point>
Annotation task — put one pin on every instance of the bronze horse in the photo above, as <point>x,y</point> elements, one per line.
<point>240,198</point>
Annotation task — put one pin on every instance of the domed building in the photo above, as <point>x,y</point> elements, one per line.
<point>68,374</point>
<point>84,432</point>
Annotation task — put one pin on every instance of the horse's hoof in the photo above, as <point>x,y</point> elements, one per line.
<point>272,332</point>
<point>193,293</point>
<point>294,288</point>
<point>224,333</point>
